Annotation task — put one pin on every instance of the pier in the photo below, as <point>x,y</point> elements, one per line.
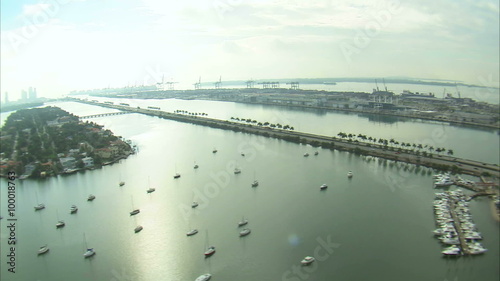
<point>458,228</point>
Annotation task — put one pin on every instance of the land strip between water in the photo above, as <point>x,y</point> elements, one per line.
<point>440,162</point>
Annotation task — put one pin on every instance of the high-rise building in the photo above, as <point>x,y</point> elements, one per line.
<point>32,93</point>
<point>24,95</point>
<point>6,98</point>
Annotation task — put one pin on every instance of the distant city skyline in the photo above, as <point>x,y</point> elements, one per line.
<point>59,46</point>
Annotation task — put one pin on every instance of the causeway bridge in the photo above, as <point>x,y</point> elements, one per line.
<point>466,166</point>
<point>104,114</point>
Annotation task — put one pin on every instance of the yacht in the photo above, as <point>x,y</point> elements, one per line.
<point>122,183</point>
<point>135,212</point>
<point>245,232</point>
<point>237,171</point>
<point>60,224</point>
<point>194,205</point>
<point>150,190</point>
<point>44,249</point>
<point>255,183</point>
<point>349,174</point>
<point>177,175</point>
<point>323,186</point>
<point>138,228</point>
<point>443,182</point>
<point>306,154</point>
<point>90,252</point>
<point>204,277</point>
<point>451,251</point>
<point>307,260</point>
<point>91,197</point>
<point>192,232</point>
<point>39,207</point>
<point>210,251</point>
<point>73,209</point>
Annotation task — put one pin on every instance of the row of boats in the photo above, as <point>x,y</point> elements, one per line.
<point>442,180</point>
<point>456,230</point>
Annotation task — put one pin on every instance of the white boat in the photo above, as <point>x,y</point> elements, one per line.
<point>192,232</point>
<point>73,209</point>
<point>306,154</point>
<point>90,251</point>
<point>349,174</point>
<point>150,190</point>
<point>60,224</point>
<point>443,183</point>
<point>138,228</point>
<point>245,232</point>
<point>237,171</point>
<point>204,277</point>
<point>243,222</point>
<point>194,205</point>
<point>451,251</point>
<point>91,197</point>
<point>323,186</point>
<point>134,211</point>
<point>210,251</point>
<point>39,207</point>
<point>44,249</point>
<point>255,183</point>
<point>307,260</point>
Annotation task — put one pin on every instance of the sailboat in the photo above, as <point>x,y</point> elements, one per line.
<point>195,165</point>
<point>134,211</point>
<point>177,175</point>
<point>39,206</point>
<point>90,251</point>
<point>243,222</point>
<point>138,228</point>
<point>150,189</point>
<point>60,223</point>
<point>210,250</point>
<point>44,249</point>
<point>255,183</point>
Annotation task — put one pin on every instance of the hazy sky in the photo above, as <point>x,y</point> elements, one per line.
<point>63,45</point>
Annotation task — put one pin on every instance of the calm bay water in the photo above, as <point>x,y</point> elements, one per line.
<point>376,226</point>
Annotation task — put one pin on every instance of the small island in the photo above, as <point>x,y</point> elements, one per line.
<point>40,142</point>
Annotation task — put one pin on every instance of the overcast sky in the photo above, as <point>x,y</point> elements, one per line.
<point>63,45</point>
